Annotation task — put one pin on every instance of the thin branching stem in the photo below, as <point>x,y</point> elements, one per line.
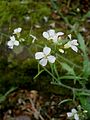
<point>66,86</point>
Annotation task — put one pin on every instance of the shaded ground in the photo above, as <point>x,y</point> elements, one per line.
<point>31,105</point>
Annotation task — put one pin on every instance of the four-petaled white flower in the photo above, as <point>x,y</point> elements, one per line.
<point>51,35</point>
<point>12,42</point>
<point>73,44</point>
<point>17,30</point>
<point>73,114</point>
<point>34,38</point>
<point>45,56</point>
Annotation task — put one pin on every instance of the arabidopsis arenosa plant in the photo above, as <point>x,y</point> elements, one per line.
<point>12,42</point>
<point>73,114</point>
<point>45,56</point>
<point>17,30</point>
<point>72,44</point>
<point>51,35</point>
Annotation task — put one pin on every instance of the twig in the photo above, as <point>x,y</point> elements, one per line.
<point>36,111</point>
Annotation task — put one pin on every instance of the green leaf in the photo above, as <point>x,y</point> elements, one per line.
<point>68,68</point>
<point>85,102</point>
<point>86,62</point>
<point>82,43</point>
<point>86,68</point>
<point>3,97</point>
<point>11,90</point>
<point>86,15</point>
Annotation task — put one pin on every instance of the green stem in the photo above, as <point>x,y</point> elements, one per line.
<point>66,86</point>
<point>72,77</point>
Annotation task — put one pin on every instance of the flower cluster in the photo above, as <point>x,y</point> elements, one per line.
<point>55,37</point>
<point>45,56</point>
<point>72,44</point>
<point>73,114</point>
<point>13,42</point>
<point>52,35</point>
<point>78,114</point>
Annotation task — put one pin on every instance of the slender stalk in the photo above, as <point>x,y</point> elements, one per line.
<point>72,77</point>
<point>65,86</point>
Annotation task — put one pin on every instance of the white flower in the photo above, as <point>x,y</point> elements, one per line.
<point>12,42</point>
<point>73,44</point>
<point>73,113</point>
<point>45,56</point>
<point>34,38</point>
<point>50,34</point>
<point>17,30</point>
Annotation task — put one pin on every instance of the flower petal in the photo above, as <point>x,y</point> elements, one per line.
<point>51,59</point>
<point>43,62</point>
<point>55,38</point>
<point>51,32</point>
<point>39,55</point>
<point>59,33</point>
<point>10,43</point>
<point>11,47</point>
<point>46,35</point>
<point>74,42</point>
<point>69,114</point>
<point>12,38</point>
<point>46,50</point>
<point>74,48</point>
<point>74,111</point>
<point>76,117</point>
<point>70,36</point>
<point>16,43</point>
<point>17,30</point>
